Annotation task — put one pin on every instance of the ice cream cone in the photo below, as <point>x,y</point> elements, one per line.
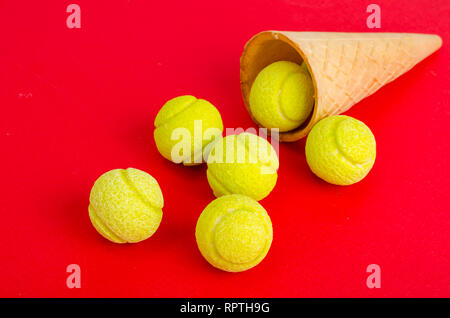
<point>345,67</point>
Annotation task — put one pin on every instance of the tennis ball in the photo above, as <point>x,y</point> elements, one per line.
<point>340,150</point>
<point>234,233</point>
<point>242,164</point>
<point>184,126</point>
<point>305,68</point>
<point>282,96</point>
<point>126,205</point>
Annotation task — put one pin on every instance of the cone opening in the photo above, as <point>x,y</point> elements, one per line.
<point>262,50</point>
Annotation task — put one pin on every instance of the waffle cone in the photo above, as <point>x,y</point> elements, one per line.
<point>345,67</point>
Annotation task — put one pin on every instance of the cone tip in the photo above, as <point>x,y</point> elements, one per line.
<point>438,41</point>
<point>427,44</point>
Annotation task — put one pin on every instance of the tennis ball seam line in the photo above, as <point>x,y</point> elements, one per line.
<point>102,222</point>
<point>125,178</point>
<point>213,234</point>
<point>221,218</point>
<point>279,104</point>
<point>342,153</point>
<point>170,118</point>
<point>220,183</point>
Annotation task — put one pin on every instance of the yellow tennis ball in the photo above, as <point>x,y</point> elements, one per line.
<point>242,164</point>
<point>340,150</point>
<point>282,96</point>
<point>184,126</point>
<point>126,205</point>
<point>234,233</point>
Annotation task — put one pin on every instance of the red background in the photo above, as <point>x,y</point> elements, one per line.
<point>77,103</point>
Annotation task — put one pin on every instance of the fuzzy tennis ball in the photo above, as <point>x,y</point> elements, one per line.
<point>234,233</point>
<point>242,164</point>
<point>340,150</point>
<point>126,205</point>
<point>282,96</point>
<point>184,126</point>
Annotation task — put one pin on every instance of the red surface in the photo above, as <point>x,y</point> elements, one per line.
<point>77,103</point>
